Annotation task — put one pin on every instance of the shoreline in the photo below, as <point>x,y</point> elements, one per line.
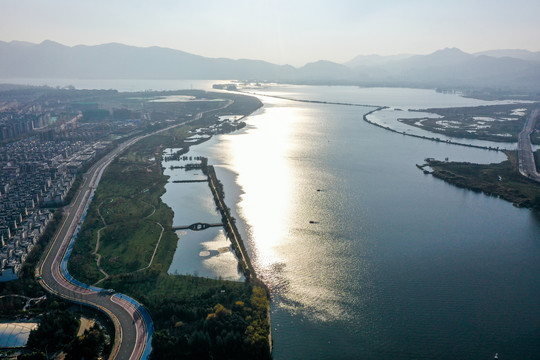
<point>218,195</point>
<point>229,225</point>
<point>216,187</point>
<point>500,180</point>
<point>423,137</point>
<point>378,108</point>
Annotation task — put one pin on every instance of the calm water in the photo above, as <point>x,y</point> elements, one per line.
<point>203,253</point>
<point>398,265</point>
<point>399,102</point>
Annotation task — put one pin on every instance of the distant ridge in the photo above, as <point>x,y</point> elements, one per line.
<point>517,70</point>
<point>513,53</point>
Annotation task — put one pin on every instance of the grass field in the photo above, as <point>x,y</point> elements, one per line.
<point>128,200</point>
<point>194,317</point>
<point>128,245</point>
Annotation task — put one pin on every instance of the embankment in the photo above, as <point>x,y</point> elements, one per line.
<point>263,325</point>
<point>378,108</point>
<point>229,223</point>
<point>436,139</point>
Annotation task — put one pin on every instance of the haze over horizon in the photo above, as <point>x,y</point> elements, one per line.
<point>280,32</point>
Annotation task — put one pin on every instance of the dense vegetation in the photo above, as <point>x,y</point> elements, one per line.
<point>90,345</point>
<point>502,180</point>
<point>200,318</point>
<point>57,331</point>
<point>194,318</point>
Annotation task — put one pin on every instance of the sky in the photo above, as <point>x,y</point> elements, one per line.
<point>292,32</point>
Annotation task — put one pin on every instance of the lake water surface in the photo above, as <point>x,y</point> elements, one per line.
<point>207,252</point>
<point>366,257</point>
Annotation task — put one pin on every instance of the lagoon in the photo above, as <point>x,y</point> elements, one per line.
<point>207,252</point>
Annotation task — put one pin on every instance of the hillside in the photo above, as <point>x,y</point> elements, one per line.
<point>509,70</point>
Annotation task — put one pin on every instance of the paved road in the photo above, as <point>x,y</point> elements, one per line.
<point>131,340</point>
<point>527,166</point>
<point>131,332</point>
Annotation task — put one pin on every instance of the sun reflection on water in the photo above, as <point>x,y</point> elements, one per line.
<point>272,160</point>
<point>266,178</point>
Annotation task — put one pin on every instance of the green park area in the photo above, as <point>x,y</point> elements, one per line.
<point>126,243</point>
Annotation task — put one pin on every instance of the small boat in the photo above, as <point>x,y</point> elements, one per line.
<point>313,222</point>
<point>496,356</point>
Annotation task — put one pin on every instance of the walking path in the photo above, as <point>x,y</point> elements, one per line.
<point>96,253</point>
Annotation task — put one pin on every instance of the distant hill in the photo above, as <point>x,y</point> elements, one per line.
<point>513,53</point>
<point>453,68</point>
<point>517,70</point>
<point>324,71</point>
<point>50,59</point>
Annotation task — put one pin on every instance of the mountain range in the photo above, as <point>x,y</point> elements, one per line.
<point>508,70</point>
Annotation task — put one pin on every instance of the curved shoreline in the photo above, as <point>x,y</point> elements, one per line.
<point>436,139</point>
<point>379,108</point>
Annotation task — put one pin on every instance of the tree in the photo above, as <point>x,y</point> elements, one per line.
<point>33,356</point>
<point>56,329</point>
<point>89,346</point>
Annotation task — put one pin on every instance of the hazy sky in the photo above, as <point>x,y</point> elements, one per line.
<point>280,31</point>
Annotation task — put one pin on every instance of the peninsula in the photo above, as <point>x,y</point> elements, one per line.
<point>515,179</point>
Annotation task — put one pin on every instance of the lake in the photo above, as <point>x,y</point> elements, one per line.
<point>366,257</point>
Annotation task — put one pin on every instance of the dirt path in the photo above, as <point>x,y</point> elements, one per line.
<point>95,253</point>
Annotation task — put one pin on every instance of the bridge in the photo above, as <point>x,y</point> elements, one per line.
<point>196,226</point>
<point>527,166</point>
<point>189,181</point>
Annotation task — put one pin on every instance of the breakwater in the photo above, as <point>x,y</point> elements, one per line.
<point>229,223</point>
<point>310,101</point>
<point>378,108</point>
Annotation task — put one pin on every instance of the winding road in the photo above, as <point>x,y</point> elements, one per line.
<point>131,322</point>
<point>527,166</point>
<point>130,327</point>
